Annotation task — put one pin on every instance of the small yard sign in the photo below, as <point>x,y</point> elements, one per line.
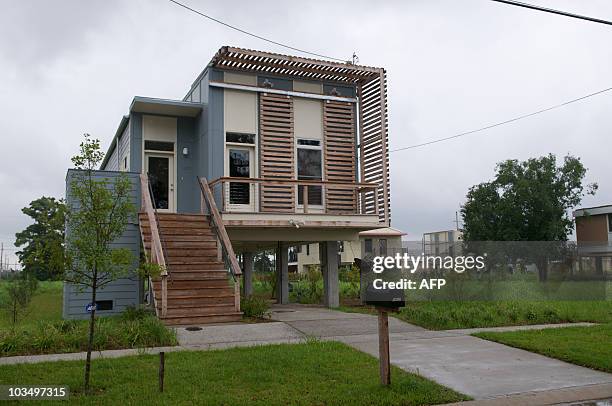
<point>90,307</point>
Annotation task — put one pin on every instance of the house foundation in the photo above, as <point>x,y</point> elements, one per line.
<point>247,273</point>
<point>328,252</point>
<point>282,274</point>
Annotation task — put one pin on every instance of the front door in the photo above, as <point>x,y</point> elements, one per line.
<point>240,196</point>
<point>160,169</point>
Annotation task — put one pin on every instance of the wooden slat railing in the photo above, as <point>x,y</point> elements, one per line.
<point>157,252</point>
<point>223,240</point>
<point>359,188</point>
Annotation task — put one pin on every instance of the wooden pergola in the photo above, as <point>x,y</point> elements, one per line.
<point>371,84</point>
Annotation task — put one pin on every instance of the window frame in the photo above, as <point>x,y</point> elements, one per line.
<point>319,147</point>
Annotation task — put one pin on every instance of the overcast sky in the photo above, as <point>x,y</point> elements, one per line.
<point>70,67</point>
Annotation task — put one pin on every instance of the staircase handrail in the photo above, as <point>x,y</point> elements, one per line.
<point>219,227</point>
<point>157,252</point>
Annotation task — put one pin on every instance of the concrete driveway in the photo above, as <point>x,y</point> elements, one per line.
<point>470,365</point>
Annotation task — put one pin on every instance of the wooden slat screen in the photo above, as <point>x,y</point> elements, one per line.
<point>374,145</point>
<point>340,155</point>
<point>276,149</point>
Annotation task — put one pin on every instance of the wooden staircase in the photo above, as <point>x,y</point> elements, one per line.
<point>198,287</point>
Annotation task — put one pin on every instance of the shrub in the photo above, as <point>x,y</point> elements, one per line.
<point>255,307</point>
<point>135,328</point>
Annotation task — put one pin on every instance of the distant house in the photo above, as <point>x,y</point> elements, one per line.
<point>594,237</point>
<point>265,151</point>
<point>441,242</point>
<point>381,241</point>
<point>594,224</point>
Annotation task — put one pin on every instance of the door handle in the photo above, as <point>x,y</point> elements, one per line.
<point>172,187</point>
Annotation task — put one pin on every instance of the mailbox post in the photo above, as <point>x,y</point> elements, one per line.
<point>385,302</point>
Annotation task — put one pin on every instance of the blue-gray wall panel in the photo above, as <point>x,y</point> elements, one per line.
<point>215,139</point>
<point>124,148</point>
<point>135,142</point>
<point>123,292</point>
<point>113,162</point>
<point>188,191</point>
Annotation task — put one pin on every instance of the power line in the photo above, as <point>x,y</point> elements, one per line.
<point>554,11</point>
<point>253,35</point>
<point>503,122</point>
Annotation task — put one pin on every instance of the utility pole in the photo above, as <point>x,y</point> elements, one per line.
<point>457,220</point>
<point>1,257</point>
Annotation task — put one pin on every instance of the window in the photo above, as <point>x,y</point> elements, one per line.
<point>610,223</point>
<point>382,247</point>
<point>368,245</point>
<point>340,246</point>
<point>159,146</point>
<point>240,138</point>
<point>104,305</point>
<point>307,249</point>
<point>125,166</point>
<point>309,167</point>
<point>310,143</point>
<point>239,167</point>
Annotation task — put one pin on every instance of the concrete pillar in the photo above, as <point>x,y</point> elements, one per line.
<point>328,252</point>
<point>247,273</point>
<point>282,274</point>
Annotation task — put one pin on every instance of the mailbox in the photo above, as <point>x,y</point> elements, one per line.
<point>389,298</point>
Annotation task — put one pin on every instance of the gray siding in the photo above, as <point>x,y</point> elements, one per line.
<point>135,142</point>
<point>214,142</point>
<point>123,292</point>
<point>188,191</point>
<point>113,162</point>
<point>124,148</point>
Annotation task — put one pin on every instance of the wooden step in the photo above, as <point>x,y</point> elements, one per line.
<point>187,309</point>
<point>195,283</point>
<point>201,275</point>
<point>184,224</point>
<point>201,259</point>
<point>212,291</point>
<point>207,266</point>
<point>199,301</point>
<point>169,234</point>
<point>182,217</point>
<point>208,319</point>
<point>190,252</point>
<point>201,244</point>
<point>189,238</point>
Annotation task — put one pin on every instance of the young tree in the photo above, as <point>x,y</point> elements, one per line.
<point>43,253</point>
<point>19,295</point>
<point>526,201</point>
<point>99,212</point>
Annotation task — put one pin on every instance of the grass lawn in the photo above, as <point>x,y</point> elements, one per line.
<point>454,315</point>
<point>46,305</point>
<point>315,373</point>
<point>42,330</point>
<point>587,346</point>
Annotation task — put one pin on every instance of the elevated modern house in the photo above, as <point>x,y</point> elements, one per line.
<point>265,151</point>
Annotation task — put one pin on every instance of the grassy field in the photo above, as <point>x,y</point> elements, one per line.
<point>587,346</point>
<point>315,373</point>
<point>46,305</point>
<point>454,315</point>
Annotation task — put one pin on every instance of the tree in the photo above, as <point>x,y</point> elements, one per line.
<point>19,292</point>
<point>98,214</point>
<point>43,241</point>
<point>526,201</point>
